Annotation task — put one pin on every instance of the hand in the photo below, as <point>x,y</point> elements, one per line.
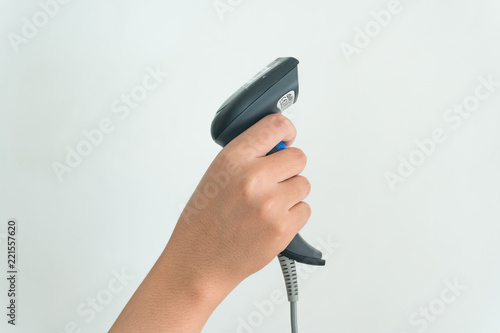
<point>246,209</point>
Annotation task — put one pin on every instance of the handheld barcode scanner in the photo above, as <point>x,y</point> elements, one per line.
<point>272,90</point>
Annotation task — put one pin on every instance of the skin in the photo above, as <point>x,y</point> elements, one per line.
<point>246,202</point>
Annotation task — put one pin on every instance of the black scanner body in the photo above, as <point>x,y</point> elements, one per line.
<point>255,99</point>
<point>272,90</point>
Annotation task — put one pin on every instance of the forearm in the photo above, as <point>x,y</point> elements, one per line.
<point>170,299</point>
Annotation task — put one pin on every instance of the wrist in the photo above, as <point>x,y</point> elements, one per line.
<point>188,288</point>
<point>172,299</point>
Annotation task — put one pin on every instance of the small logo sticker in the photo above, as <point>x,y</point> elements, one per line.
<point>286,100</point>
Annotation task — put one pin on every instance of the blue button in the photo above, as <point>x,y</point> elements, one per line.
<point>280,146</point>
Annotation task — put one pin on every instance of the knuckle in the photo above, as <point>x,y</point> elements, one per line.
<point>277,229</point>
<point>307,209</point>
<point>305,184</point>
<point>267,210</point>
<point>299,155</point>
<point>281,122</point>
<point>280,229</point>
<point>250,186</point>
<point>269,213</point>
<point>302,214</point>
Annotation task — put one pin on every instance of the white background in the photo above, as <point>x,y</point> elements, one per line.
<point>115,211</point>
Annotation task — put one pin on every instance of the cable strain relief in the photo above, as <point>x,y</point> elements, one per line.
<point>290,275</point>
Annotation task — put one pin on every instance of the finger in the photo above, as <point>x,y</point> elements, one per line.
<point>298,216</point>
<point>260,138</point>
<point>284,164</point>
<point>294,190</point>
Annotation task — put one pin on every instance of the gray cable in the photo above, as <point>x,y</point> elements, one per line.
<point>293,317</point>
<point>292,287</point>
